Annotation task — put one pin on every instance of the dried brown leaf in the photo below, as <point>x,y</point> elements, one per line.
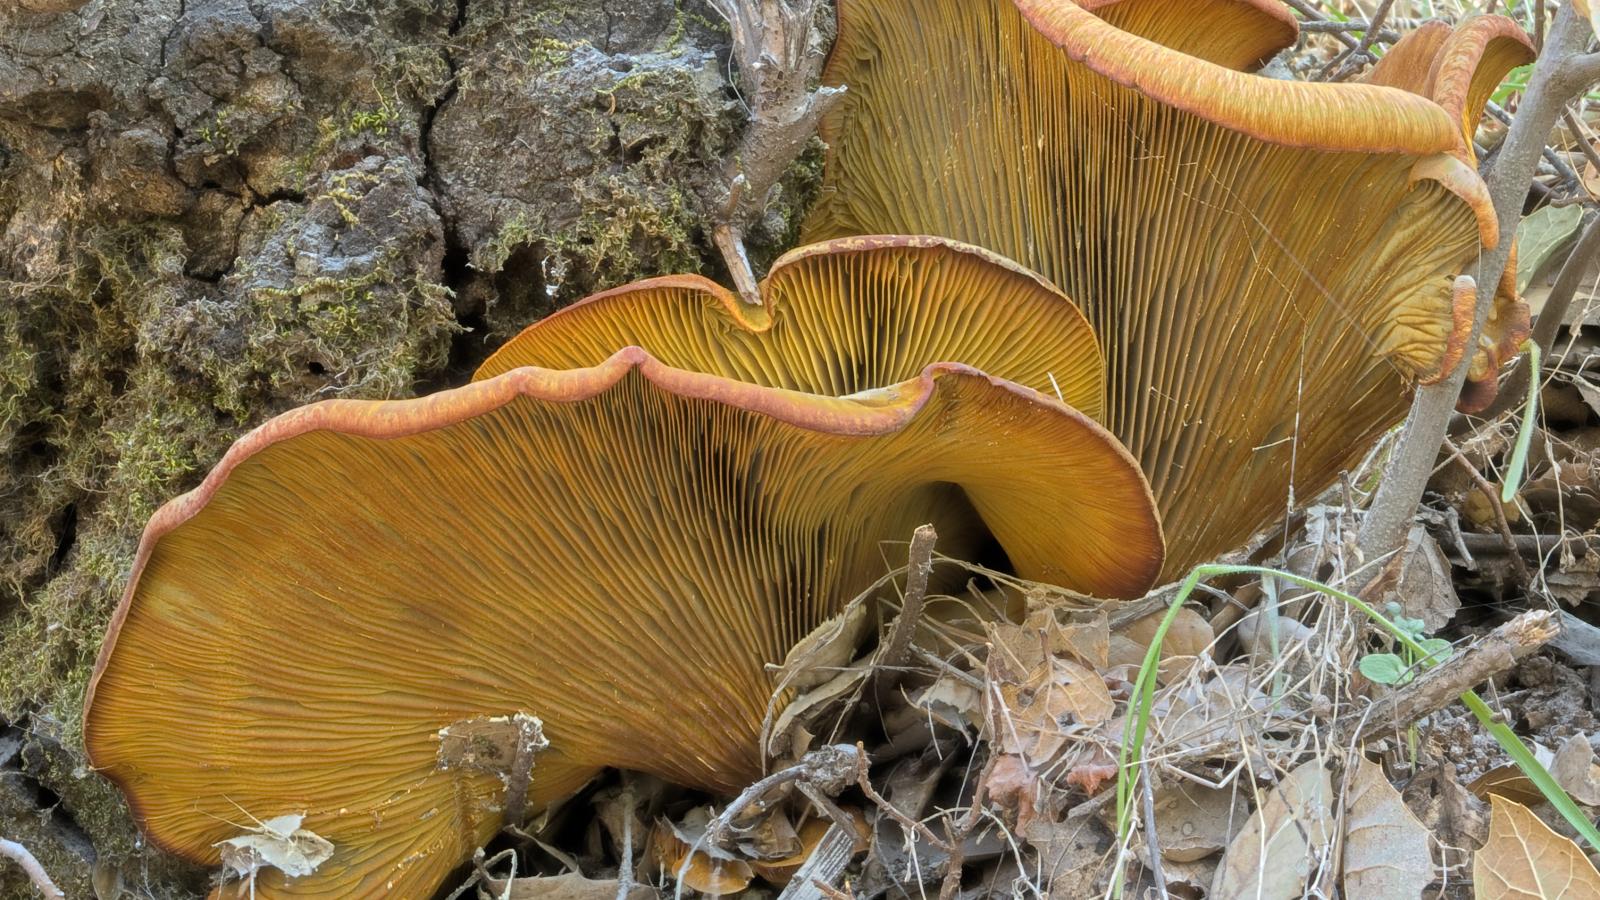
<point>1575,770</point>
<point>1194,821</point>
<point>1525,860</point>
<point>1279,848</point>
<point>1188,638</point>
<point>820,655</point>
<point>1386,852</point>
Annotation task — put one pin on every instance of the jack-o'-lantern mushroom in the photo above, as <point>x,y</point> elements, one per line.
<point>618,550</point>
<point>836,318</point>
<point>1268,264</point>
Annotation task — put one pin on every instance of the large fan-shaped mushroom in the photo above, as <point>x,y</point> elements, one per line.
<point>618,550</point>
<point>1266,263</point>
<point>839,317</point>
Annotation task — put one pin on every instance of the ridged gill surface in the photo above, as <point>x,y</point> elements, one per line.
<point>837,318</point>
<point>618,550</point>
<point>1267,264</point>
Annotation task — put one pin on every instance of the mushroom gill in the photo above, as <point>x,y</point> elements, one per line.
<point>1267,264</point>
<point>837,318</point>
<point>619,550</point>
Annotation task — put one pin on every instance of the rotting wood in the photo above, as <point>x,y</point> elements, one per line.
<point>820,873</point>
<point>1435,689</point>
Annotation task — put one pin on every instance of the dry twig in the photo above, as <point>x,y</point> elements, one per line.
<point>1351,61</point>
<point>1433,690</point>
<point>897,647</point>
<point>778,58</point>
<point>1492,494</point>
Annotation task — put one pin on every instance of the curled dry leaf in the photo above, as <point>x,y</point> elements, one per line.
<point>792,733</point>
<point>826,650</point>
<point>1013,785</point>
<point>1508,780</point>
<point>1276,853</point>
<point>1386,852</point>
<point>951,702</point>
<point>779,871</point>
<point>1525,860</point>
<point>1575,770</point>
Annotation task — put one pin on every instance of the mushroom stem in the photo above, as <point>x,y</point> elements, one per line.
<point>1551,84</point>
<point>778,58</point>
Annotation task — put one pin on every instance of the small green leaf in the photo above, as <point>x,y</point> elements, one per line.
<point>1438,650</point>
<point>1413,627</point>
<point>1384,668</point>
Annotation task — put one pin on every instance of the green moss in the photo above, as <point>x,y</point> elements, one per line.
<point>125,382</point>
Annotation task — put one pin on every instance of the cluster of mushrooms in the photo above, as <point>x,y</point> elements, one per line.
<point>643,500</point>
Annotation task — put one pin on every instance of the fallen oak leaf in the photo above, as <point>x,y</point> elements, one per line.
<point>1277,851</point>
<point>1386,851</point>
<point>1524,860</point>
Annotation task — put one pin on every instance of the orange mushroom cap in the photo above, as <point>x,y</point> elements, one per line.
<point>836,318</point>
<point>619,550</point>
<point>1268,264</point>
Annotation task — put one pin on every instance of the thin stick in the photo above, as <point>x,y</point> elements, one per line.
<point>1353,59</point>
<point>625,868</point>
<point>1493,654</point>
<point>888,809</point>
<point>1315,15</point>
<point>1507,539</point>
<point>891,662</point>
<point>1152,844</point>
<point>41,879</point>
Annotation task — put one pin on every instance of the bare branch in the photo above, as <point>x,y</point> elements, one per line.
<point>1580,71</point>
<point>1350,62</point>
<point>898,644</point>
<point>778,58</point>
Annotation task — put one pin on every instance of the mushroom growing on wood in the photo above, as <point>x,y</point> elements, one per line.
<point>617,550</point>
<point>839,317</point>
<point>1268,264</point>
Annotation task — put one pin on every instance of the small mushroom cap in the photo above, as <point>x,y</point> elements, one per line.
<point>836,318</point>
<point>618,550</point>
<point>1268,265</point>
